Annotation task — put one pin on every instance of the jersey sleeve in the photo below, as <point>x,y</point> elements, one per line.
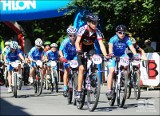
<point>99,35</point>
<point>81,31</point>
<point>129,42</point>
<point>63,44</point>
<point>111,41</point>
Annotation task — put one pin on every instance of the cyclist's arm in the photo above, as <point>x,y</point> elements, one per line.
<point>77,43</point>
<point>21,57</point>
<point>132,49</point>
<point>110,48</point>
<point>103,48</point>
<point>141,51</point>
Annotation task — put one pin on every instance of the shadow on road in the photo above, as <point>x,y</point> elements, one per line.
<point>13,110</point>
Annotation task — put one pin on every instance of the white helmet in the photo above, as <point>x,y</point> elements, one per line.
<point>54,45</point>
<point>71,30</point>
<point>13,45</point>
<point>38,42</point>
<point>7,43</point>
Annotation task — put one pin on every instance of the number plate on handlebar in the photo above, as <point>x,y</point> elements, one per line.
<point>39,63</point>
<point>14,64</point>
<point>73,63</point>
<point>53,63</point>
<point>124,61</point>
<point>96,59</point>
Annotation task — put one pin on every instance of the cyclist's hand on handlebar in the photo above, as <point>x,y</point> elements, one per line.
<point>109,56</point>
<point>62,59</point>
<point>80,52</point>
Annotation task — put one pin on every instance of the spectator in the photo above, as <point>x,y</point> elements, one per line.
<point>148,48</point>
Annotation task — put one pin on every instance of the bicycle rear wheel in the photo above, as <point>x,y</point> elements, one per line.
<point>94,92</point>
<point>136,85</point>
<point>122,90</point>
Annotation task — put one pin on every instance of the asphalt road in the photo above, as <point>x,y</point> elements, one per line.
<point>56,104</point>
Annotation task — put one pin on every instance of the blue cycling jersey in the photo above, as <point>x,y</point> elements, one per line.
<point>36,54</point>
<point>68,49</point>
<point>52,55</point>
<point>119,46</point>
<point>12,56</point>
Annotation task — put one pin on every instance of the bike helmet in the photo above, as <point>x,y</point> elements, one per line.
<point>47,43</point>
<point>13,45</point>
<point>121,28</point>
<point>38,42</point>
<point>7,43</point>
<point>92,17</point>
<point>71,30</point>
<point>54,45</point>
<point>133,40</point>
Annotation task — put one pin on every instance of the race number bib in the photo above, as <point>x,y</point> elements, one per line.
<point>124,61</point>
<point>73,63</point>
<point>14,64</point>
<point>96,59</point>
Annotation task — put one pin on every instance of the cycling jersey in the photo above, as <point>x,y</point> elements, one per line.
<point>52,55</point>
<point>5,50</point>
<point>36,54</point>
<point>88,38</point>
<point>12,56</point>
<point>68,49</point>
<point>119,46</point>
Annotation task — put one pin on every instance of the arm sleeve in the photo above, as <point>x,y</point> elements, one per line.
<point>129,42</point>
<point>63,44</point>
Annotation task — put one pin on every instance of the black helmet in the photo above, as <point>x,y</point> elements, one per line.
<point>91,17</point>
<point>121,28</point>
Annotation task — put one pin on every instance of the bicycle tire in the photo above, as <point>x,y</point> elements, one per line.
<point>123,81</point>
<point>80,104</point>
<point>136,85</point>
<point>112,100</point>
<point>74,85</point>
<point>129,88</point>
<point>95,84</point>
<point>39,84</point>
<point>15,85</point>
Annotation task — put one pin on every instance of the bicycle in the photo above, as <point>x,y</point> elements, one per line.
<point>120,81</point>
<point>72,82</point>
<point>38,79</point>
<point>52,82</point>
<point>16,83</point>
<point>134,78</point>
<point>91,82</point>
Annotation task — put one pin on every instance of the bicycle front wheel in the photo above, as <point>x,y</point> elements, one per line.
<point>38,84</point>
<point>122,90</point>
<point>93,92</point>
<point>136,85</point>
<point>15,87</point>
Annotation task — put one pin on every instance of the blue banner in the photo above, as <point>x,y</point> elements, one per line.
<point>14,10</point>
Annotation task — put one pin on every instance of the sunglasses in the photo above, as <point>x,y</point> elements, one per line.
<point>121,32</point>
<point>72,35</point>
<point>38,46</point>
<point>94,22</point>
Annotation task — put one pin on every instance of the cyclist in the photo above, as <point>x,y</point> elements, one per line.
<point>12,55</point>
<point>36,53</point>
<point>47,46</point>
<point>117,46</point>
<point>51,55</point>
<point>67,51</point>
<point>86,37</point>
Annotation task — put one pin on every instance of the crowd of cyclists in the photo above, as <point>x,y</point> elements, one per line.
<point>72,48</point>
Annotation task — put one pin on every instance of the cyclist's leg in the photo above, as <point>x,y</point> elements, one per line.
<point>32,71</point>
<point>65,79</point>
<point>19,71</point>
<point>111,66</point>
